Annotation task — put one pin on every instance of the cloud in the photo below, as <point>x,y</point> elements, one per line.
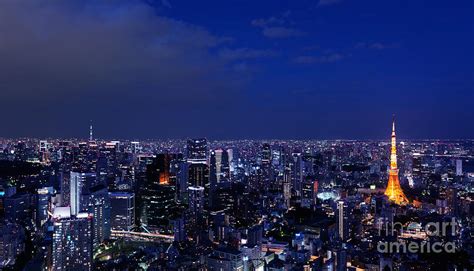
<point>328,2</point>
<point>376,45</point>
<point>278,26</point>
<point>245,53</point>
<point>111,61</point>
<point>282,32</point>
<point>265,22</point>
<point>329,58</point>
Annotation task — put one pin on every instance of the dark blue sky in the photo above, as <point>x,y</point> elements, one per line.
<point>237,69</point>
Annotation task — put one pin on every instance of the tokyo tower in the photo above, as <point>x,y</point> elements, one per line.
<point>394,191</point>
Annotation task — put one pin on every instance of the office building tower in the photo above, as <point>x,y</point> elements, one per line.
<point>296,166</point>
<point>340,259</point>
<point>287,187</point>
<point>12,243</point>
<point>308,192</point>
<point>97,203</point>
<point>159,170</point>
<point>342,218</point>
<point>157,200</point>
<point>459,167</point>
<point>80,183</point>
<point>122,211</point>
<point>255,235</point>
<point>182,180</point>
<point>72,240</point>
<point>213,171</point>
<point>197,151</point>
<point>43,205</point>
<point>195,201</point>
<point>135,147</point>
<point>230,153</point>
<point>219,167</point>
<point>266,154</point>
<point>65,187</point>
<point>17,208</point>
<point>179,229</point>
<point>198,175</point>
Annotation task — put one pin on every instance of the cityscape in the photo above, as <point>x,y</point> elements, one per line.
<point>236,205</point>
<point>236,135</point>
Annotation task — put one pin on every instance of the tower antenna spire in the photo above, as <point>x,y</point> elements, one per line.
<point>91,133</point>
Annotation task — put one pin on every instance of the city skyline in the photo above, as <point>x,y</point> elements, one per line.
<point>91,136</point>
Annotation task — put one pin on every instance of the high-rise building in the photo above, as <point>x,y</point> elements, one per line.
<point>308,192</point>
<point>80,183</point>
<point>287,187</point>
<point>65,186</point>
<point>17,207</point>
<point>122,210</point>
<point>179,229</point>
<point>340,259</point>
<point>159,170</point>
<point>394,191</point>
<point>12,243</point>
<point>342,220</point>
<point>182,180</point>
<point>198,175</point>
<point>195,201</point>
<point>72,240</point>
<point>43,205</point>
<point>296,166</point>
<point>266,154</point>
<point>459,167</point>
<point>157,200</point>
<point>135,147</point>
<point>219,170</point>
<point>197,150</point>
<point>97,203</point>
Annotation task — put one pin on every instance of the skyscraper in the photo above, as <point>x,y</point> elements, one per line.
<point>197,150</point>
<point>122,211</point>
<point>196,201</point>
<point>394,191</point>
<point>79,182</point>
<point>72,240</point>
<point>342,220</point>
<point>159,170</point>
<point>156,198</point>
<point>97,202</point>
<point>459,167</point>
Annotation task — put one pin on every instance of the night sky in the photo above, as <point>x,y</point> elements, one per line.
<point>230,69</point>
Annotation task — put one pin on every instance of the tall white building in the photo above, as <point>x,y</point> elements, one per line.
<point>459,167</point>
<point>78,183</point>
<point>342,220</point>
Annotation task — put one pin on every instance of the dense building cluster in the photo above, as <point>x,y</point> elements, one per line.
<point>235,205</point>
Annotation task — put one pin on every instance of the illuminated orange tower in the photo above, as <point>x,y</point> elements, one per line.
<point>394,191</point>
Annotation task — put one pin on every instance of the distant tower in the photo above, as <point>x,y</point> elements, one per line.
<point>394,191</point>
<point>91,134</point>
